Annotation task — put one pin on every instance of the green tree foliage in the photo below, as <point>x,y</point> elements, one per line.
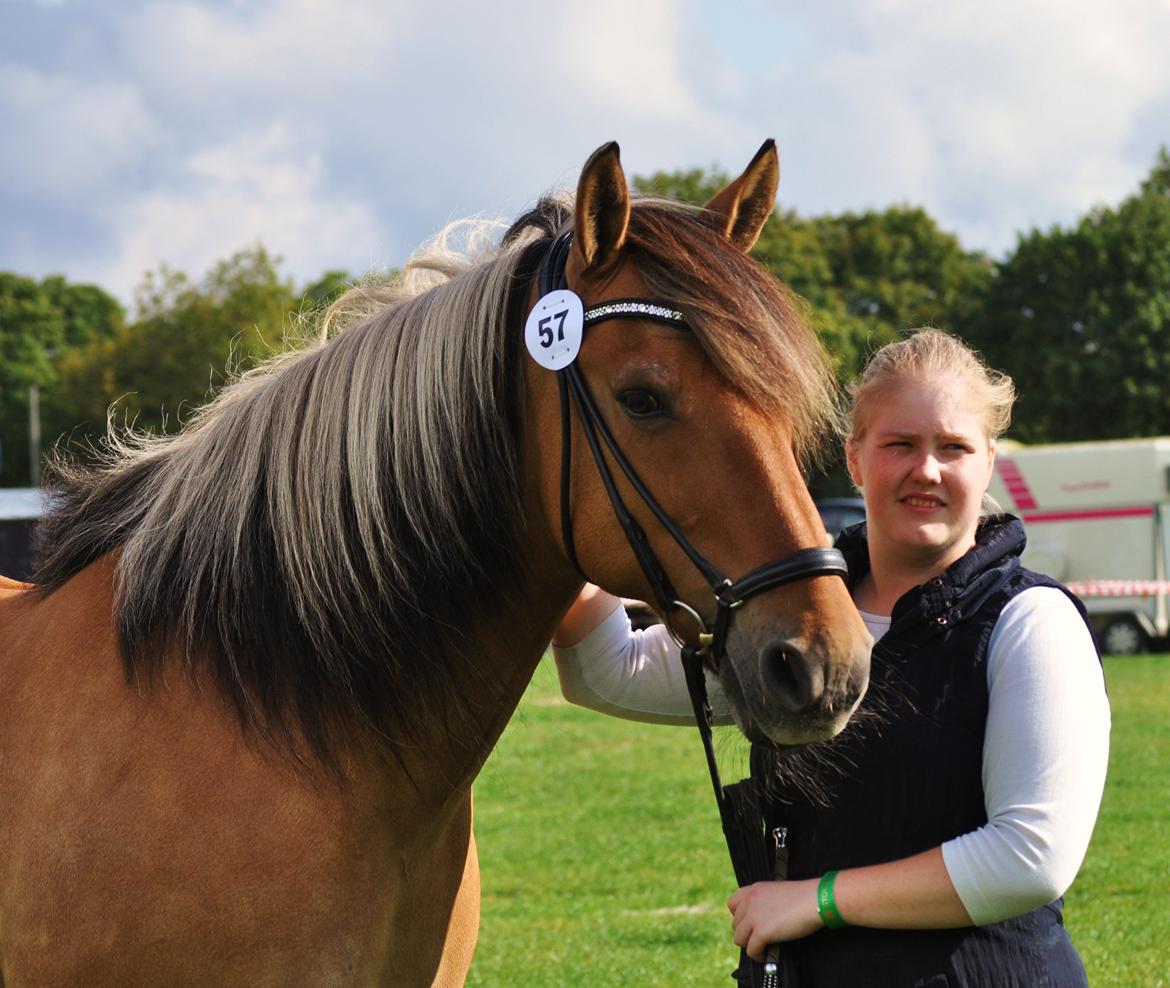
<point>1080,318</point>
<point>40,322</point>
<point>871,276</point>
<point>185,340</point>
<point>318,295</point>
<point>697,186</point>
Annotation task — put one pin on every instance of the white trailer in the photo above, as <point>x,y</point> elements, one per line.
<point>1097,516</point>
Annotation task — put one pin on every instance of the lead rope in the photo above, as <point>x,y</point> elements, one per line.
<point>739,834</point>
<point>772,956</point>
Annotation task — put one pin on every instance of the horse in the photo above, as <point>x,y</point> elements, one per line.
<point>261,659</point>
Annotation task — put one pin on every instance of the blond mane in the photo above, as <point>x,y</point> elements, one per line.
<point>323,538</point>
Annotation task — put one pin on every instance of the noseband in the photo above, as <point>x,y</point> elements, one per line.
<point>729,594</point>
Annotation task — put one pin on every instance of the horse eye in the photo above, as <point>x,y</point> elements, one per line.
<point>640,404</point>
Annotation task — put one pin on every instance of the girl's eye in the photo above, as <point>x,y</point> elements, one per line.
<point>641,404</point>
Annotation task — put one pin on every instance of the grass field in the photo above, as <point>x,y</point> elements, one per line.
<point>603,863</point>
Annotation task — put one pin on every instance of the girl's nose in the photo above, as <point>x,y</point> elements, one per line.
<point>927,469</point>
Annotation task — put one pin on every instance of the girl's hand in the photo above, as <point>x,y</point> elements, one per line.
<point>772,912</point>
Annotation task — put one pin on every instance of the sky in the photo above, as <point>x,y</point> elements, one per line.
<point>343,134</point>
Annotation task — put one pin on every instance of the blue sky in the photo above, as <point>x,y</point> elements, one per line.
<point>344,133</point>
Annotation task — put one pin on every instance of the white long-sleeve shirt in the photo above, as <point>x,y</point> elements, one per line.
<point>1045,749</point>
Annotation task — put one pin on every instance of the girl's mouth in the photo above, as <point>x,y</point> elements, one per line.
<point>922,501</point>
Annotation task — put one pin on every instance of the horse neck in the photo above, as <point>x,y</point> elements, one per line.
<point>511,643</point>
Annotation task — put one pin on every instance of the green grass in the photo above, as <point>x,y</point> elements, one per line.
<point>603,862</point>
<point>601,853</point>
<point>1118,910</point>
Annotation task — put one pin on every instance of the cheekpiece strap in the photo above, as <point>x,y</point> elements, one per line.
<point>552,269</point>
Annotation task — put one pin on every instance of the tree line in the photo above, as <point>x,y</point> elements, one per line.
<point>1078,315</point>
<point>88,361</point>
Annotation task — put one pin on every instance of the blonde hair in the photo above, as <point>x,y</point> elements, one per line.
<point>930,355</point>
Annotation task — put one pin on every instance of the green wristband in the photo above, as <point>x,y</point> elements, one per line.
<point>827,905</point>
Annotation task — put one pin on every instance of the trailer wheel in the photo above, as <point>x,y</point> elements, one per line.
<point>1124,636</point>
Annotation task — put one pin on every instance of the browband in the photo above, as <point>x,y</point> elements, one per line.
<point>634,308</point>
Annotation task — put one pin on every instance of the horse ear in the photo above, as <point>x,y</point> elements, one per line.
<point>602,213</point>
<point>745,205</point>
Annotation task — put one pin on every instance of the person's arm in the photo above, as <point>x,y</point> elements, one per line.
<point>912,893</point>
<point>1044,758</point>
<point>592,606</point>
<point>605,665</point>
<point>1045,754</point>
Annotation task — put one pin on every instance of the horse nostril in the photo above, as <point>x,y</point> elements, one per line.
<point>795,683</point>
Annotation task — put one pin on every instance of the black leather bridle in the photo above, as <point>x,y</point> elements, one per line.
<point>741,830</point>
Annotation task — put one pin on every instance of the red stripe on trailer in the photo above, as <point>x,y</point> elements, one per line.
<point>1015,483</point>
<point>1119,588</point>
<point>1038,517</point>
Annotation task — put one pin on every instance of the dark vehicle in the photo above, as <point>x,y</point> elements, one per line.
<point>840,512</point>
<point>20,507</point>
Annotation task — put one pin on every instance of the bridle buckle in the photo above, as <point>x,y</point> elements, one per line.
<point>705,635</point>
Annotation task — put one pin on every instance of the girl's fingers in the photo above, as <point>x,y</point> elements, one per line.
<point>742,935</point>
<point>755,948</point>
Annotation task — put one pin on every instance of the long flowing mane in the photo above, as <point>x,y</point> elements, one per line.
<point>321,539</point>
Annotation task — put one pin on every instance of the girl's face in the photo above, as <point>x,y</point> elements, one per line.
<point>923,464</point>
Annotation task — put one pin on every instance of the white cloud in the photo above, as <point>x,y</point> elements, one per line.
<point>426,113</point>
<point>995,116</point>
<point>626,56</point>
<point>274,49</point>
<point>344,133</point>
<point>69,137</point>
<point>260,189</point>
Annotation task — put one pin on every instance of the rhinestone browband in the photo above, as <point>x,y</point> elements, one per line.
<point>633,309</point>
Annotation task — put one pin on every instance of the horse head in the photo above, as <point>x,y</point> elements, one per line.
<point>714,408</point>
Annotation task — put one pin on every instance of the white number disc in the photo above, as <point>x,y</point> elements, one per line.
<point>554,329</point>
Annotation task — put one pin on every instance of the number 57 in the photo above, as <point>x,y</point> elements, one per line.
<point>544,327</point>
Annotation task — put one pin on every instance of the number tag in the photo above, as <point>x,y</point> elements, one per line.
<point>554,329</point>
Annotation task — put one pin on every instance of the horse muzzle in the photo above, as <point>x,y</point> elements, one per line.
<point>786,691</point>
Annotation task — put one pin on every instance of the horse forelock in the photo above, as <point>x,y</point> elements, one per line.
<point>751,327</point>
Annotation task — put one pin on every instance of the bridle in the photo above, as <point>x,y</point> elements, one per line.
<point>738,811</point>
<point>729,594</point>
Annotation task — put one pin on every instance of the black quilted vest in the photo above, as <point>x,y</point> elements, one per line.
<point>908,776</point>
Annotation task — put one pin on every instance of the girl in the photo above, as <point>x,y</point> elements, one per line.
<point>965,798</point>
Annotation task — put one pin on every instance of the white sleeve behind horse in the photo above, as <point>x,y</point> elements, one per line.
<point>1045,754</point>
<point>633,674</point>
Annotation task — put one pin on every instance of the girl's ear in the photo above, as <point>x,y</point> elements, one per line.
<point>990,463</point>
<point>851,461</point>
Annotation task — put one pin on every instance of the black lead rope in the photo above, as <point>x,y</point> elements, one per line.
<point>738,810</point>
<point>743,829</point>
